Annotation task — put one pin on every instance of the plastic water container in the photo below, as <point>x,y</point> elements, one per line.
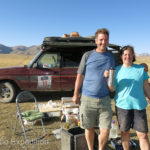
<point>113,131</point>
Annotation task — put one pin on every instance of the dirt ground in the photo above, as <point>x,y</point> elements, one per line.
<point>10,141</point>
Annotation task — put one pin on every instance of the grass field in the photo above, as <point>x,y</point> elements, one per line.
<point>20,60</point>
<point>14,60</point>
<point>9,141</point>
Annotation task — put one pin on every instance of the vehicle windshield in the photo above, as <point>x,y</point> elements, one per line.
<point>34,58</point>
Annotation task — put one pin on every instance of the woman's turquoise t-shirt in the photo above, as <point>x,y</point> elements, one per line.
<point>129,87</point>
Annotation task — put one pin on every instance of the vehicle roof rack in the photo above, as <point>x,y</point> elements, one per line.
<point>72,42</point>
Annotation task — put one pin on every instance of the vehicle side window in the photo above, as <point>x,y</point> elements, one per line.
<point>49,60</point>
<point>71,59</point>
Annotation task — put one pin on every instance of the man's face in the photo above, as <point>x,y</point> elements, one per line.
<point>102,41</point>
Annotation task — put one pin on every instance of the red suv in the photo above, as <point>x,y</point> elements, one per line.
<point>54,68</point>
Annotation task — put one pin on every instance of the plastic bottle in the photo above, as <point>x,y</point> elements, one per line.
<point>79,123</point>
<point>113,131</point>
<point>67,125</point>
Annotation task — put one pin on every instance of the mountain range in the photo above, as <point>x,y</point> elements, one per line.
<point>31,50</point>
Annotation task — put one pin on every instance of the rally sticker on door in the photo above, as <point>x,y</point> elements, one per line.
<point>44,81</point>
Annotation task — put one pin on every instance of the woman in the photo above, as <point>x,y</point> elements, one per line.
<point>130,100</point>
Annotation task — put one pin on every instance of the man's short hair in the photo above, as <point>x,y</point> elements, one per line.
<point>103,31</point>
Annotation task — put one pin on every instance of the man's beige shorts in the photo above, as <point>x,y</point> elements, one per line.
<point>95,112</point>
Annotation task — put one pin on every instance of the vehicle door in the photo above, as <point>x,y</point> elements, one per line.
<point>45,73</point>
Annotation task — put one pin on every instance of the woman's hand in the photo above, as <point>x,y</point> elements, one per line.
<point>106,73</point>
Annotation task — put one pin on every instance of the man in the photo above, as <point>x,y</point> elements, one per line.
<point>95,108</point>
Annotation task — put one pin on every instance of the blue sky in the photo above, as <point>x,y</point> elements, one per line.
<point>27,22</point>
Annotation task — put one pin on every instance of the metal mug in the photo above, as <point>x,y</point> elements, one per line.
<point>111,76</point>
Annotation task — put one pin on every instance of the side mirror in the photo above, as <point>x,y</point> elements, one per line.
<point>35,65</point>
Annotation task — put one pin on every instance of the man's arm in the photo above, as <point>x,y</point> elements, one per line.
<point>78,84</point>
<point>145,67</point>
<point>147,89</point>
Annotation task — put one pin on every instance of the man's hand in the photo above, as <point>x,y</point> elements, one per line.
<point>75,99</point>
<point>145,67</point>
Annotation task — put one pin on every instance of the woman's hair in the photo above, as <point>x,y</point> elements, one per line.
<point>103,31</point>
<point>128,47</point>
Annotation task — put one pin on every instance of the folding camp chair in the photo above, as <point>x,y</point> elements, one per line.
<point>28,116</point>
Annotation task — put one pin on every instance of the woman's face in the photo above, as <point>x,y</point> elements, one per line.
<point>127,58</point>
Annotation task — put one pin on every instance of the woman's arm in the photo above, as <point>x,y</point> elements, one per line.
<point>147,88</point>
<point>106,75</point>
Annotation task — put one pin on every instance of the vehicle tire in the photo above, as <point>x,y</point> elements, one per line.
<point>7,92</point>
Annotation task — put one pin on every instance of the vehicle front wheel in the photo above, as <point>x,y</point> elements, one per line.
<point>7,92</point>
